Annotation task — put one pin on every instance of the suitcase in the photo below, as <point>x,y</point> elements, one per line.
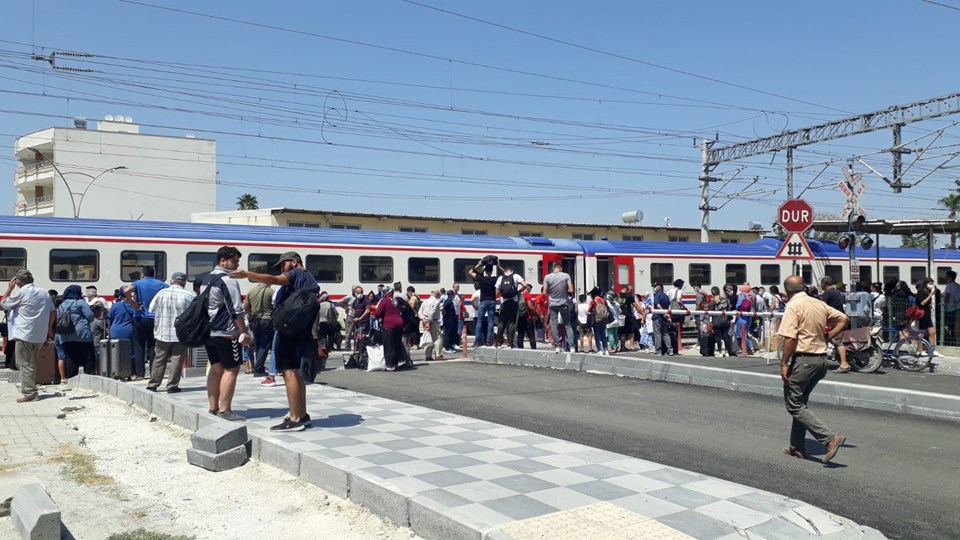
<point>116,358</point>
<point>47,364</point>
<point>708,345</point>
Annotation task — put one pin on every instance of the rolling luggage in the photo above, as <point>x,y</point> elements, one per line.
<point>116,358</point>
<point>47,365</point>
<point>708,345</point>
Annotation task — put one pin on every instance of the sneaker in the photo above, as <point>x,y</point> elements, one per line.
<point>306,421</point>
<point>268,381</point>
<point>287,426</point>
<point>174,390</point>
<point>231,416</point>
<point>937,354</point>
<point>150,388</point>
<point>213,411</point>
<point>558,350</point>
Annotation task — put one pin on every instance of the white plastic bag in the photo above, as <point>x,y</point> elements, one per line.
<point>426,340</point>
<point>375,359</point>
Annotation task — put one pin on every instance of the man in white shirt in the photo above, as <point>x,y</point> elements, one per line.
<point>430,315</point>
<point>31,318</point>
<point>168,304</point>
<point>951,303</point>
<point>508,286</point>
<point>90,294</point>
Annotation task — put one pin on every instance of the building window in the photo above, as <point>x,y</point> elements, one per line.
<point>729,241</point>
<point>412,229</point>
<point>582,236</point>
<point>423,270</point>
<point>264,263</point>
<point>806,271</point>
<point>303,224</point>
<point>474,232</point>
<point>376,269</point>
<point>699,273</point>
<point>891,273</point>
<point>679,238</point>
<point>835,271</point>
<point>345,226</point>
<point>661,273</point>
<point>736,274</point>
<point>633,238</point>
<point>132,263</point>
<point>199,263</point>
<point>769,274</point>
<point>12,260</point>
<point>326,268</point>
<point>530,234</point>
<point>74,265</point>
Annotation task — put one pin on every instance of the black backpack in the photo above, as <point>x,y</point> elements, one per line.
<point>508,286</point>
<point>193,325</point>
<point>410,318</point>
<point>296,313</point>
<point>65,324</point>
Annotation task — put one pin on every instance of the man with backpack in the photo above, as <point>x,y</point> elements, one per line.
<point>509,286</point>
<point>293,318</point>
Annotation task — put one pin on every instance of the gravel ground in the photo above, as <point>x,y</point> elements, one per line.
<point>142,480</point>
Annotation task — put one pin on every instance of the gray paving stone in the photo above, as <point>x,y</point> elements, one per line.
<point>673,476</point>
<point>431,519</point>
<point>523,483</point>
<point>464,448</point>
<point>779,529</point>
<point>162,408</point>
<point>35,516</point>
<point>388,458</point>
<point>456,462</point>
<point>219,437</point>
<point>762,502</point>
<point>525,466</point>
<point>601,490</point>
<point>520,507</point>
<point>185,416</point>
<point>697,525</point>
<point>110,387</point>
<point>279,455</point>
<point>445,478</point>
<point>371,492</point>
<point>125,392</point>
<point>400,444</point>
<point>143,398</point>
<point>599,472</point>
<point>317,471</point>
<point>225,461</point>
<point>687,498</point>
<point>444,497</point>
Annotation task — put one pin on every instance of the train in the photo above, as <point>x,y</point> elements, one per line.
<point>110,253</point>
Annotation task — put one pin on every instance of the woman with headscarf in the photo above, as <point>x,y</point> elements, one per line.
<point>391,321</point>
<point>77,344</point>
<point>721,323</point>
<point>613,328</point>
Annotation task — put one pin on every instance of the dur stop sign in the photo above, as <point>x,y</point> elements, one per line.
<point>795,215</point>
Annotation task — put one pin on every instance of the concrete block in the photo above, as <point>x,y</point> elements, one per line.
<point>255,447</point>
<point>368,491</point>
<point>277,455</point>
<point>224,461</point>
<point>125,393</point>
<point>35,515</point>
<point>219,437</point>
<point>143,398</point>
<point>205,419</point>
<point>325,476</point>
<point>110,387</point>
<point>185,417</point>
<point>431,519</point>
<point>531,359</point>
<point>162,408</point>
<point>934,405</point>
<point>96,384</point>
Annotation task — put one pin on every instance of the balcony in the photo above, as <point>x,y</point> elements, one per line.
<point>41,171</point>
<point>39,206</point>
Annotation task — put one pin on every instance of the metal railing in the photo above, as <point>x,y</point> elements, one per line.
<point>37,203</point>
<point>35,168</point>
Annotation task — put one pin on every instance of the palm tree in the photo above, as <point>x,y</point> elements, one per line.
<point>952,203</point>
<point>247,202</point>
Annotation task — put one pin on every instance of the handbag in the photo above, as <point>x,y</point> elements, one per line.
<point>915,312</point>
<point>857,339</point>
<point>426,339</point>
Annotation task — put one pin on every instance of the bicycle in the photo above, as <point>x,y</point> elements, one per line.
<point>910,352</point>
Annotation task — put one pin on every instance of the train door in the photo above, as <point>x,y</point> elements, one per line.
<point>622,272</point>
<point>605,277</point>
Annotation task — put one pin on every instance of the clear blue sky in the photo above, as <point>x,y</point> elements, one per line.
<point>356,127</point>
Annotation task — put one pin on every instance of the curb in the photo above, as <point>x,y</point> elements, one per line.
<point>925,404</point>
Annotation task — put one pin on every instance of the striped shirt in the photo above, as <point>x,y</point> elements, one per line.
<point>168,304</point>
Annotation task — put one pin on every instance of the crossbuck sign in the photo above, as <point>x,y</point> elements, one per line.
<point>852,188</point>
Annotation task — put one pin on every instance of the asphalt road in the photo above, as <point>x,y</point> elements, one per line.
<point>897,473</point>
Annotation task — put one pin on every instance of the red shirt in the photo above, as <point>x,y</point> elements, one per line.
<point>389,313</point>
<point>528,298</point>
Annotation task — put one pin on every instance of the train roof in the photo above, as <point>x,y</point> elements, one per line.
<point>250,234</point>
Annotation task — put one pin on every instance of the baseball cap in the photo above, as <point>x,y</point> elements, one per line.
<point>288,256</point>
<point>178,276</point>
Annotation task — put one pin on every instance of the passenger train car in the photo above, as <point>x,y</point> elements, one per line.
<point>108,253</point>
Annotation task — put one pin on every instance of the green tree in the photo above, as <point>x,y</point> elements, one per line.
<point>952,203</point>
<point>918,240</point>
<point>247,202</point>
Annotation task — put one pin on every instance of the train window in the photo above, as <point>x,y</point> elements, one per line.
<point>623,273</point>
<point>891,273</point>
<point>516,265</point>
<point>12,260</point>
<point>917,273</point>
<point>540,274</point>
<point>806,271</point>
<point>866,276</point>
<point>942,275</point>
<point>460,269</point>
<point>661,273</point>
<point>263,263</point>
<point>423,270</point>
<point>74,265</point>
<point>698,273</point>
<point>326,268</point>
<point>133,262</point>
<point>200,262</point>
<point>835,271</point>
<point>376,269</point>
<point>736,274</point>
<point>769,274</point>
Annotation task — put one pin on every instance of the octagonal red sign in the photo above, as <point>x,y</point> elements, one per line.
<point>795,215</point>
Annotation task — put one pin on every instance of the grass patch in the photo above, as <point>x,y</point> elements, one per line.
<point>80,467</point>
<point>143,534</point>
<point>138,514</point>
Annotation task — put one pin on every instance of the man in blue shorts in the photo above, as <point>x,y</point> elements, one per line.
<point>292,350</point>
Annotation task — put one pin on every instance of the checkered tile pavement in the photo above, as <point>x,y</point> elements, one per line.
<point>492,476</point>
